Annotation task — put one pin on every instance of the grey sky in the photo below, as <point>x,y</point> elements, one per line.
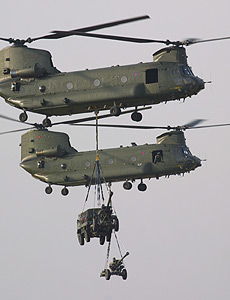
<point>177,232</point>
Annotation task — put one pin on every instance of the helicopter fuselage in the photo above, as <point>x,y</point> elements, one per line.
<point>39,87</point>
<point>48,156</point>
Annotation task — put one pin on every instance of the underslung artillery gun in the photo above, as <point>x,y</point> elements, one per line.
<point>116,267</point>
<point>97,222</point>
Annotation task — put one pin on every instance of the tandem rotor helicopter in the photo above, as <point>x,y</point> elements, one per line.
<point>30,82</point>
<point>49,157</point>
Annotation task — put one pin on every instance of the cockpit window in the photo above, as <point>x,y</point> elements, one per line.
<point>185,70</point>
<point>182,152</point>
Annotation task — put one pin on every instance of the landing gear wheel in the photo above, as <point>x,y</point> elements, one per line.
<point>46,122</point>
<point>127,185</point>
<point>107,274</point>
<point>124,274</point>
<point>48,190</point>
<point>80,238</point>
<point>136,116</point>
<point>142,187</point>
<point>64,191</point>
<point>102,239</point>
<point>87,236</point>
<point>23,117</point>
<point>115,111</point>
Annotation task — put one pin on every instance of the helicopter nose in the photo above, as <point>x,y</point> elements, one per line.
<point>192,163</point>
<point>200,83</point>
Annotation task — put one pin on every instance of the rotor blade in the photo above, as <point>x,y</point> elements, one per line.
<point>196,41</point>
<point>110,37</point>
<point>99,117</point>
<point>184,127</point>
<point>61,34</point>
<point>16,130</point>
<point>210,126</point>
<point>125,126</point>
<point>111,24</point>
<point>193,123</point>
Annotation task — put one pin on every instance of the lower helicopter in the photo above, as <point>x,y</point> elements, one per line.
<point>49,157</point>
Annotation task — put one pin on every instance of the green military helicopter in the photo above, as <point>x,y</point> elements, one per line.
<point>49,157</point>
<point>30,82</point>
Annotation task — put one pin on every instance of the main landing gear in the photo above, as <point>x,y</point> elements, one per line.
<point>116,111</point>
<point>127,185</point>
<point>49,190</point>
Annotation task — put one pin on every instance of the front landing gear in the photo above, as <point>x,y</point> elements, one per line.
<point>127,185</point>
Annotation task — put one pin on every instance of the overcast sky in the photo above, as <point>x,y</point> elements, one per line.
<point>177,232</point>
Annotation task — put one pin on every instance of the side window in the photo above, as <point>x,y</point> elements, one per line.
<point>157,156</point>
<point>151,76</point>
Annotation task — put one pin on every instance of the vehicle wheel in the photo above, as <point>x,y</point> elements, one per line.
<point>48,190</point>
<point>102,239</point>
<point>115,111</point>
<point>142,187</point>
<point>108,237</point>
<point>87,236</point>
<point>136,116</point>
<point>116,224</point>
<point>127,185</point>
<point>124,274</point>
<point>46,122</point>
<point>23,117</point>
<point>65,191</point>
<point>80,238</point>
<point>107,274</point>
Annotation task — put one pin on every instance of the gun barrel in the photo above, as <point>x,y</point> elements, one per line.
<point>123,257</point>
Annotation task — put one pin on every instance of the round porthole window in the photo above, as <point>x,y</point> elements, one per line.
<point>124,79</point>
<point>97,82</point>
<point>69,85</point>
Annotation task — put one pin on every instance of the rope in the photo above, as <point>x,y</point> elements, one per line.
<point>119,248</point>
<point>107,255</point>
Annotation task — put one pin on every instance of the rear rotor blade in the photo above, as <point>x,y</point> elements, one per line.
<point>16,130</point>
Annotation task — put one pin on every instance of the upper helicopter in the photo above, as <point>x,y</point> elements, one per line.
<point>29,81</point>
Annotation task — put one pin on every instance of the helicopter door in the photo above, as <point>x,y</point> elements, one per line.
<point>157,156</point>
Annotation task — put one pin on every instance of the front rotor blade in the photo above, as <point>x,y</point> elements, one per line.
<point>56,34</point>
<point>110,24</point>
<point>193,123</point>
<point>210,126</point>
<point>196,41</point>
